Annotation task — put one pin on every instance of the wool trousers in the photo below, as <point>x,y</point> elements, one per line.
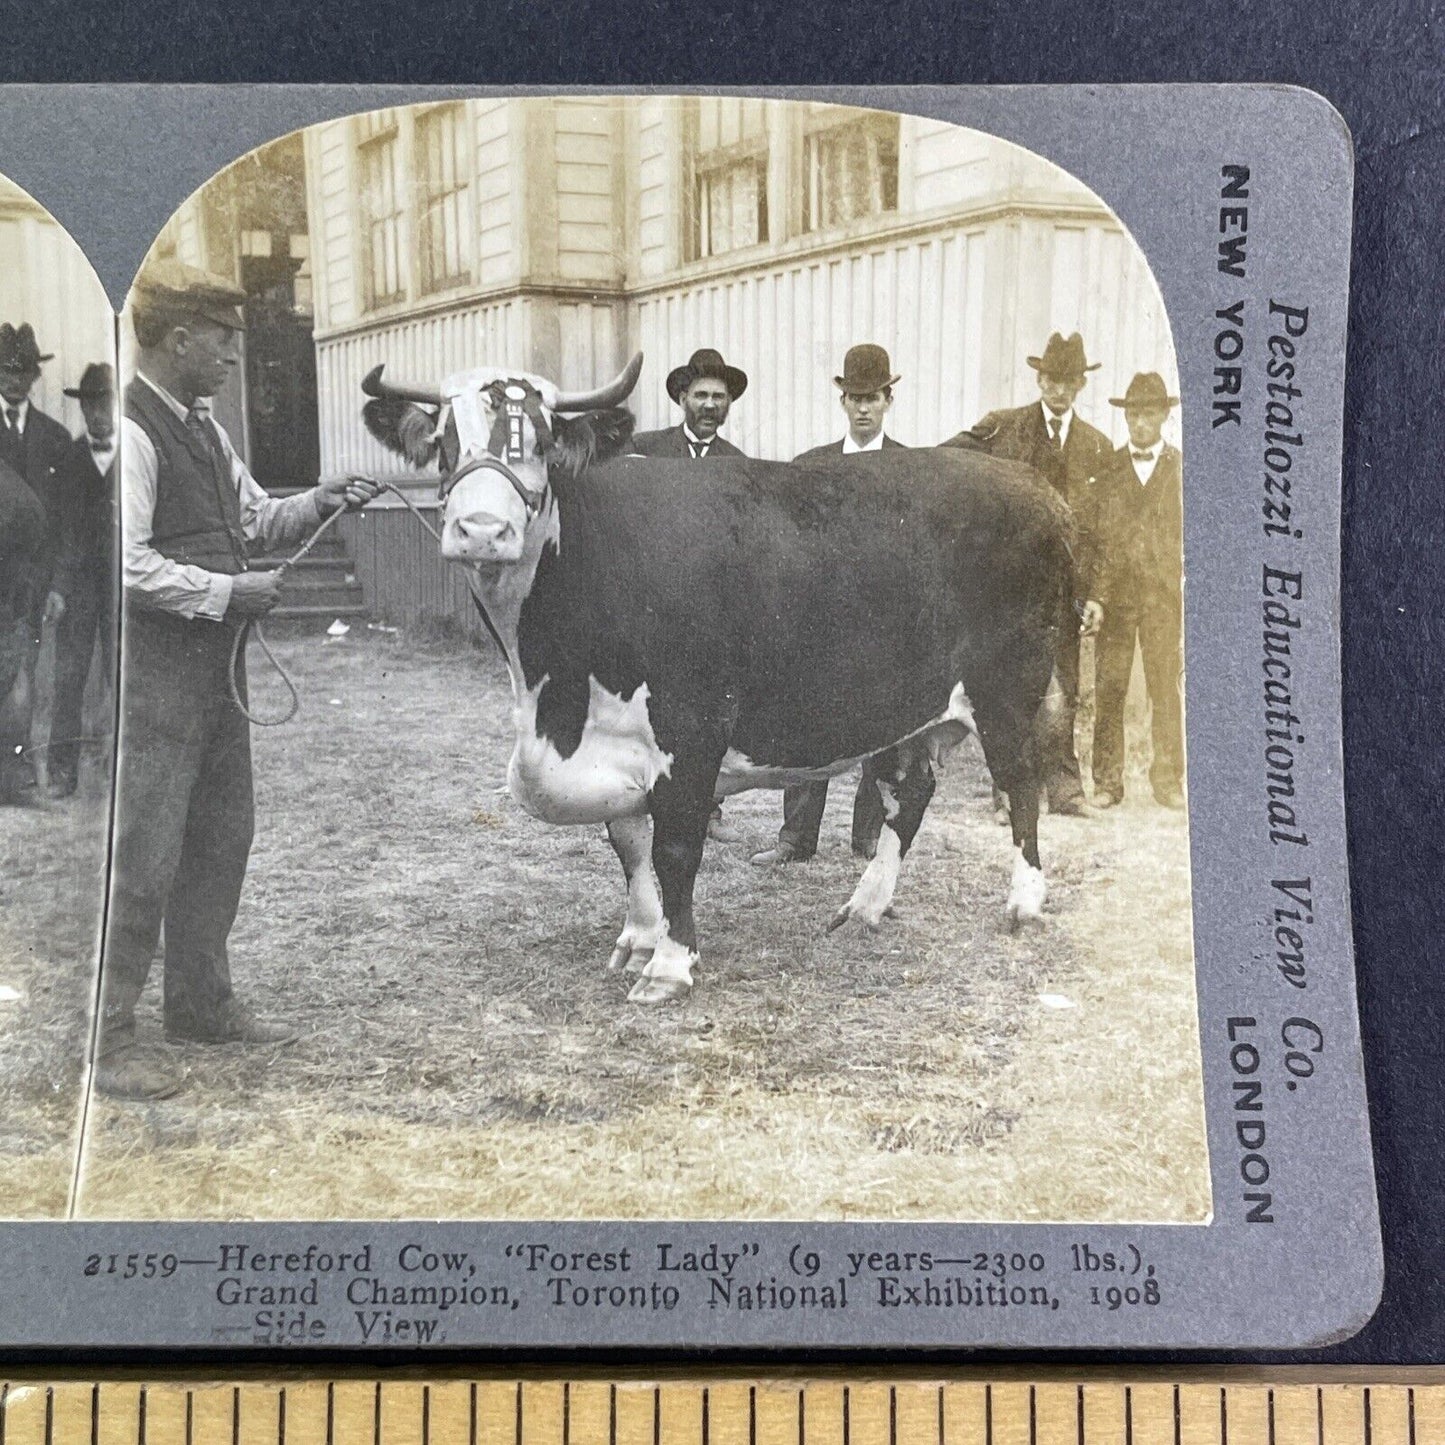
<point>185,815</point>
<point>88,615</point>
<point>1154,625</point>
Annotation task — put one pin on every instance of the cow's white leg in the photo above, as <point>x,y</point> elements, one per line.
<point>1027,892</point>
<point>631,839</point>
<point>873,897</point>
<point>668,974</point>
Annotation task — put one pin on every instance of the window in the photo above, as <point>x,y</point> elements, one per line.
<point>851,169</point>
<point>382,189</point>
<point>444,229</point>
<point>729,162</point>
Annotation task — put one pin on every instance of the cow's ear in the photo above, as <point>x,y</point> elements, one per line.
<point>594,436</point>
<point>402,427</point>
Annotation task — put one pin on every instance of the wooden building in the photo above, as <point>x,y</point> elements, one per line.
<point>45,279</point>
<point>560,235</point>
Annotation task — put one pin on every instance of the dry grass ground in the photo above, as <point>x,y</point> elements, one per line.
<point>52,880</point>
<point>463,1052</point>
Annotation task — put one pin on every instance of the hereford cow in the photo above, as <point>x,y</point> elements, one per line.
<point>677,633</point>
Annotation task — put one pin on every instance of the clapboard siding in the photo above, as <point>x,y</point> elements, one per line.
<point>655,218</point>
<point>496,230</point>
<point>933,301</point>
<point>585,151</point>
<point>46,280</point>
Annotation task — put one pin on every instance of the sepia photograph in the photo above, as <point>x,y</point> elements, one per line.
<point>529,508</point>
<point>58,447</point>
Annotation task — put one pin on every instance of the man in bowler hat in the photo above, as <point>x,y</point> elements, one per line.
<point>705,389</point>
<point>865,392</point>
<point>85,575</point>
<point>35,445</point>
<point>184,802</point>
<point>1141,589</point>
<point>1066,452</point>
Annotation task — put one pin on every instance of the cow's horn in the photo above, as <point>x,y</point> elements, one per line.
<point>373,385</point>
<point>614,392</point>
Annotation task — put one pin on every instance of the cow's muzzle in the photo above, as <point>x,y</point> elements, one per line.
<point>481,537</point>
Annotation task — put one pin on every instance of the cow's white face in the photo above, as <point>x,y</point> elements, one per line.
<point>486,518</point>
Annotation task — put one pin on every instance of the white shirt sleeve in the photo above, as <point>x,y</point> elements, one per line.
<point>151,580</point>
<point>268,522</point>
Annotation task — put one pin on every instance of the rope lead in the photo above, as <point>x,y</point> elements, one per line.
<point>252,625</point>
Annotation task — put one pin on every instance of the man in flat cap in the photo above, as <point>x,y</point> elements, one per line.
<point>705,389</point>
<point>1066,452</point>
<point>865,392</point>
<point>1141,588</point>
<point>35,445</point>
<point>192,513</point>
<point>85,576</point>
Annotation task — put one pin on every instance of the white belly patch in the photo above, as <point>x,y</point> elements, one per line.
<point>939,736</point>
<point>609,776</point>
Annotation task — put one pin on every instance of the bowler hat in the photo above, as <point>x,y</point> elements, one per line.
<point>18,347</point>
<point>1146,389</point>
<point>171,289</point>
<point>866,368</point>
<point>96,381</point>
<point>1063,357</point>
<point>706,362</point>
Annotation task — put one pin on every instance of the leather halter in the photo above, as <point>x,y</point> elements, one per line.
<point>511,400</point>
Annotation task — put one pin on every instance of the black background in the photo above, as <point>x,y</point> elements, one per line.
<point>1383,68</point>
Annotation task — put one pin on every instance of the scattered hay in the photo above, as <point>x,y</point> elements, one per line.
<point>464,1054</point>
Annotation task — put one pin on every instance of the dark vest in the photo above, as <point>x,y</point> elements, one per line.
<point>197,518</point>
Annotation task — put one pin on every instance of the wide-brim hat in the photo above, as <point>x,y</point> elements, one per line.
<point>96,381</point>
<point>19,348</point>
<point>1146,389</point>
<point>171,289</point>
<point>866,368</point>
<point>1063,356</point>
<point>706,362</point>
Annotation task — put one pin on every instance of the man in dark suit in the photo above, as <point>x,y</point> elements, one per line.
<point>1141,589</point>
<point>1067,452</point>
<point>22,536</point>
<point>865,392</point>
<point>705,389</point>
<point>35,445</point>
<point>85,576</point>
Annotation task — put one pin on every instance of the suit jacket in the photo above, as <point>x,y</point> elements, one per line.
<point>38,457</point>
<point>1141,530</point>
<point>673,443</point>
<point>835,449</point>
<point>1019,434</point>
<point>86,501</point>
<point>22,533</point>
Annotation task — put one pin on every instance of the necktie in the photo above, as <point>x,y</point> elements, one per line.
<point>1056,431</point>
<point>698,450</point>
<point>1142,456</point>
<point>12,419</point>
<point>97,445</point>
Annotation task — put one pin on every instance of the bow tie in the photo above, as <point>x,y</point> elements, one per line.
<point>1142,456</point>
<point>96,445</point>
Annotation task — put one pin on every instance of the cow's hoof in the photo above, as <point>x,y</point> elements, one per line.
<point>1026,894</point>
<point>658,990</point>
<point>630,956</point>
<point>847,912</point>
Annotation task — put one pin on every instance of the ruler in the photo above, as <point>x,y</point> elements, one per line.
<point>1084,1408</point>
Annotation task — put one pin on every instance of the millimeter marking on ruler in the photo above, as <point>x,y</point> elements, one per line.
<point>367,1410</point>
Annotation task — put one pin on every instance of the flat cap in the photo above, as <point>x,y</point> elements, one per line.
<point>170,288</point>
